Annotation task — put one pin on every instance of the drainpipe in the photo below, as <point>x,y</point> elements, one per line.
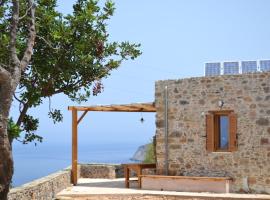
<point>166,167</point>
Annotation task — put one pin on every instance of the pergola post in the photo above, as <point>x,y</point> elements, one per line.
<point>74,171</point>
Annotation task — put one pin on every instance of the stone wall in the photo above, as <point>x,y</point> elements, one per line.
<point>109,171</point>
<point>188,102</point>
<point>45,188</point>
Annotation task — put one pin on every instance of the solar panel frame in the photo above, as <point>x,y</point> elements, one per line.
<point>249,66</point>
<point>264,65</point>
<point>230,68</point>
<point>212,69</point>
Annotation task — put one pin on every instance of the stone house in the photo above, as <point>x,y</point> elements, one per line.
<point>215,126</point>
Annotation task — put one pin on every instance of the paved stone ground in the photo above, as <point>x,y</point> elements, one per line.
<point>113,189</point>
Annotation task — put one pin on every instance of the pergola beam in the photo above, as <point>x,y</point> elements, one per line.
<point>135,107</point>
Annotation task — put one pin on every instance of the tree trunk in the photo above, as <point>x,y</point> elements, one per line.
<point>6,160</point>
<point>9,79</point>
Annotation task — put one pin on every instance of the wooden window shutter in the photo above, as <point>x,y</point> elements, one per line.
<point>233,132</point>
<point>210,140</point>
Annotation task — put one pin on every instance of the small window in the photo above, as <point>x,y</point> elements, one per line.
<point>221,131</point>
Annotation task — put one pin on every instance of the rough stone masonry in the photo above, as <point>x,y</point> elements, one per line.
<point>188,102</point>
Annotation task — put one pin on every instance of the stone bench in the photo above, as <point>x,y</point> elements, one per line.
<point>186,183</point>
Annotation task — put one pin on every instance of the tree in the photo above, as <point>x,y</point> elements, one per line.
<point>71,56</point>
<point>12,65</point>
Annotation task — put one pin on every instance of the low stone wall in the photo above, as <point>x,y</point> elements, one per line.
<point>45,188</point>
<point>109,171</point>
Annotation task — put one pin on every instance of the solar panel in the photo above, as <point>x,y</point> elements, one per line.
<point>212,69</point>
<point>230,68</point>
<point>249,66</point>
<point>265,65</point>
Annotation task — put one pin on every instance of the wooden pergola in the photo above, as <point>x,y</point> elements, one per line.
<point>135,107</point>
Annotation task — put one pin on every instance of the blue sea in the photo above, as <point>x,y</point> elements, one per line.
<point>33,162</point>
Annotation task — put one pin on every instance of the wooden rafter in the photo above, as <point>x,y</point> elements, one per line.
<point>135,107</point>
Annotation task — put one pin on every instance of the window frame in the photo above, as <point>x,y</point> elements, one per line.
<point>213,126</point>
<point>217,132</point>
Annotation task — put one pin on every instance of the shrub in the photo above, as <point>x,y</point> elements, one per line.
<point>150,154</point>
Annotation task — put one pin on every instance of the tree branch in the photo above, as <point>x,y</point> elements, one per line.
<point>47,42</point>
<point>22,114</point>
<point>20,101</point>
<point>26,13</point>
<point>78,82</point>
<point>31,37</point>
<point>67,86</point>
<point>13,32</point>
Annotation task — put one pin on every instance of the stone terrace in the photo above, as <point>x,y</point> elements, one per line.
<point>113,189</point>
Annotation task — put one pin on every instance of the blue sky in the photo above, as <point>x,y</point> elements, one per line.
<point>177,38</point>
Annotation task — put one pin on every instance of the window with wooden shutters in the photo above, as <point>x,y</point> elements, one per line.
<point>221,128</point>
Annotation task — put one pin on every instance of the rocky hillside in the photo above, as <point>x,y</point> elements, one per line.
<point>140,153</point>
